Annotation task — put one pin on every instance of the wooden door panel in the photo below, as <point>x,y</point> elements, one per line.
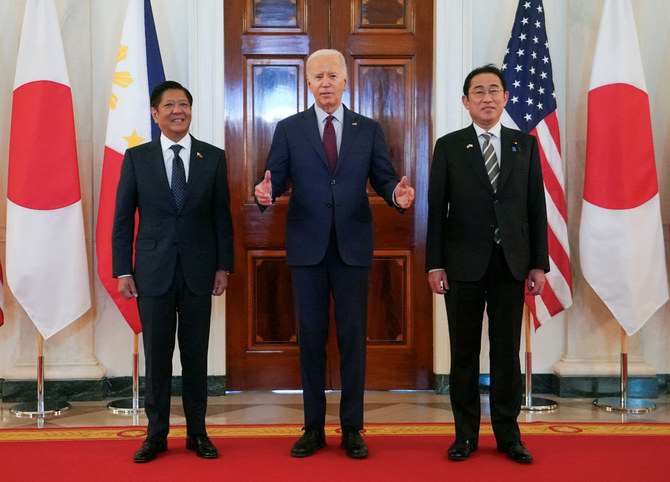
<point>267,44</point>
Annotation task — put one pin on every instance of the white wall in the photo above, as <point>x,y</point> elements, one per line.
<point>469,33</point>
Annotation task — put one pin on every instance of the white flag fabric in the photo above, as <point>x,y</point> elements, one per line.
<point>621,233</point>
<point>47,268</point>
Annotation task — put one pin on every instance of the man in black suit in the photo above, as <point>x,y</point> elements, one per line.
<point>328,153</point>
<point>183,254</point>
<point>487,237</point>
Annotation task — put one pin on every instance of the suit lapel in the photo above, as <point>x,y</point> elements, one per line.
<point>195,168</point>
<point>506,156</point>
<point>157,164</point>
<point>350,131</point>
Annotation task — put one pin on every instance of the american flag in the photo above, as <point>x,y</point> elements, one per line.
<point>532,108</point>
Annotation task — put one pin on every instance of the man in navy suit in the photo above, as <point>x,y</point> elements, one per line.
<point>487,238</point>
<point>328,153</point>
<point>183,254</point>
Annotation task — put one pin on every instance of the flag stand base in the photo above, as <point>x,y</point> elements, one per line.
<point>538,404</point>
<point>49,408</point>
<point>127,406</point>
<point>628,405</point>
<point>623,403</point>
<point>134,405</point>
<point>528,401</point>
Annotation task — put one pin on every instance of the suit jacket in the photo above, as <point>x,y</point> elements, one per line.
<point>320,198</point>
<point>463,210</point>
<point>200,236</point>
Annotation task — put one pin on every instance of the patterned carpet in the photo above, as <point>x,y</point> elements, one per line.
<point>405,429</point>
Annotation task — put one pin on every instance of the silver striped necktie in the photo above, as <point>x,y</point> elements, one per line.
<point>493,170</point>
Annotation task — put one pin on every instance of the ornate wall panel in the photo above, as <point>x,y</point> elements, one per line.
<point>275,15</point>
<point>274,91</point>
<point>383,90</point>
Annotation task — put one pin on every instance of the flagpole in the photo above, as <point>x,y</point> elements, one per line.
<point>623,403</point>
<point>134,405</point>
<point>42,407</point>
<point>533,404</point>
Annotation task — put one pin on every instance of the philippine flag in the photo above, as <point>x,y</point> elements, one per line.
<point>138,70</point>
<point>47,268</point>
<point>621,233</point>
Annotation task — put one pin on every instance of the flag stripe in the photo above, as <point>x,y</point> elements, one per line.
<point>155,73</point>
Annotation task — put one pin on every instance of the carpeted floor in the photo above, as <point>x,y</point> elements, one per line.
<point>407,452</point>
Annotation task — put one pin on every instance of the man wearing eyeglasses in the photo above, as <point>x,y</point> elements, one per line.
<point>486,242</point>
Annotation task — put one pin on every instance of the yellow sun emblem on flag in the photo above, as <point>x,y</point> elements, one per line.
<point>122,79</point>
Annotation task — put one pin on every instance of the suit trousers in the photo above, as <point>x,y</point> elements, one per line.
<point>312,288</point>
<point>187,314</point>
<point>503,296</point>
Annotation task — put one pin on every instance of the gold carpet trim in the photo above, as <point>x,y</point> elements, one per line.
<point>222,431</point>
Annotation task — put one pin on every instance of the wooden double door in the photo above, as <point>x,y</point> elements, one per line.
<point>388,48</point>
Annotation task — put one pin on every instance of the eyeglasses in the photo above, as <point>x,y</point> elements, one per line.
<point>494,92</point>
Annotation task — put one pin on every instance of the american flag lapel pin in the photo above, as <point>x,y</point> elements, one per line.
<point>199,155</point>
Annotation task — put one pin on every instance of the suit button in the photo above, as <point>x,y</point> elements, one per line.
<point>329,205</point>
<point>333,181</point>
<point>496,202</point>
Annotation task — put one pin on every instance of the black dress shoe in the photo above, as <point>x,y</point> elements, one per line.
<point>517,452</point>
<point>149,449</point>
<point>461,449</point>
<point>202,446</point>
<point>353,443</point>
<point>311,441</point>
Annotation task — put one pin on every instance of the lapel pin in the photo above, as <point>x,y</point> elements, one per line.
<point>515,147</point>
<point>469,146</point>
<point>199,155</point>
<point>354,123</point>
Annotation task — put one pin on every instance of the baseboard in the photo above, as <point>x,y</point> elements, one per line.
<point>13,391</point>
<point>578,387</point>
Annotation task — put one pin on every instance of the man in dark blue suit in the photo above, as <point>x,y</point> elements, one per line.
<point>183,254</point>
<point>487,238</point>
<point>328,153</point>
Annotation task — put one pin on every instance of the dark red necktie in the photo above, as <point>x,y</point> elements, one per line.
<point>330,143</point>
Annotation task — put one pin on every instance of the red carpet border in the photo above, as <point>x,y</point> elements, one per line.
<point>405,429</point>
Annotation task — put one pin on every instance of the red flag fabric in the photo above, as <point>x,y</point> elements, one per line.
<point>47,267</point>
<point>138,70</point>
<point>532,108</point>
<point>621,235</point>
